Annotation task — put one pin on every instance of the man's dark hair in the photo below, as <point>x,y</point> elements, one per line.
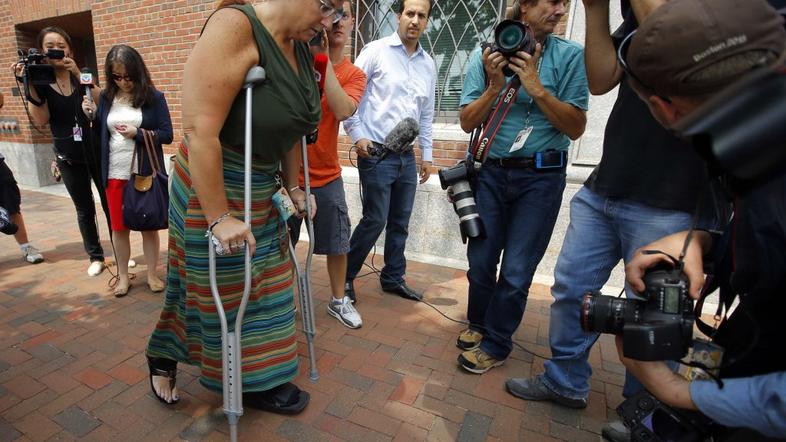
<point>135,69</point>
<point>400,8</point>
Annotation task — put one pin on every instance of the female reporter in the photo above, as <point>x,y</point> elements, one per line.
<point>207,193</point>
<point>129,103</point>
<point>58,105</point>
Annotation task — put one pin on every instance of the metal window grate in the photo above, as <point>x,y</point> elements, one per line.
<point>455,29</point>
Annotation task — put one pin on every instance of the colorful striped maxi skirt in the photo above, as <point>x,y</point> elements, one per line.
<point>189,330</point>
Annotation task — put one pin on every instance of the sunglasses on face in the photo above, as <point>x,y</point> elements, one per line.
<point>121,77</point>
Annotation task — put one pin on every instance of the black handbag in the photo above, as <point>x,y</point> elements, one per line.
<point>146,197</point>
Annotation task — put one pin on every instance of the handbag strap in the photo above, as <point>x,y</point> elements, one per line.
<point>150,147</point>
<point>147,136</point>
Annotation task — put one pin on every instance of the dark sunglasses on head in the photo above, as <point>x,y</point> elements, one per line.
<point>622,56</point>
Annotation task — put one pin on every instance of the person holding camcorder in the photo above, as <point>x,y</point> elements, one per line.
<point>681,59</point>
<point>52,86</point>
<point>528,95</point>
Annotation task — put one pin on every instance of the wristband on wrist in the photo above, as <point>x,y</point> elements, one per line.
<point>218,220</point>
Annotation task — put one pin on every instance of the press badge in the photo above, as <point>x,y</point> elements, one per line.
<point>283,204</point>
<point>521,138</point>
<point>77,131</point>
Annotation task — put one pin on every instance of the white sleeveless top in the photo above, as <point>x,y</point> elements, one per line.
<point>121,148</point>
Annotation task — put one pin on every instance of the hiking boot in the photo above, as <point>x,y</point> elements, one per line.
<point>469,340</point>
<point>533,389</point>
<point>31,254</point>
<point>344,311</point>
<point>477,361</point>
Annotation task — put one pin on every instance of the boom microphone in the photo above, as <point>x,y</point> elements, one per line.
<point>400,138</point>
<point>320,68</point>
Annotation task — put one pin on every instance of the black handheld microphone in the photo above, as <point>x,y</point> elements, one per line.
<point>86,79</point>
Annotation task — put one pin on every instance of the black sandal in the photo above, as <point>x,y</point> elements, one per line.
<point>284,399</point>
<point>166,368</point>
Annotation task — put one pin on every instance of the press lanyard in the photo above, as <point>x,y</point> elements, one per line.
<point>483,136</point>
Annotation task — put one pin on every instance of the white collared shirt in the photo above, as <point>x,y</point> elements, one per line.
<point>398,86</point>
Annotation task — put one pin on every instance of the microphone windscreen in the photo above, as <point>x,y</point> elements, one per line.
<point>402,135</point>
<point>320,68</point>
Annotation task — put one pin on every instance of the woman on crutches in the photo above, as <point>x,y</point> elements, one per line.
<point>207,194</point>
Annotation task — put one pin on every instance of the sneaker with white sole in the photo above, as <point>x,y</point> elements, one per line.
<point>477,361</point>
<point>31,254</point>
<point>95,269</point>
<point>344,311</point>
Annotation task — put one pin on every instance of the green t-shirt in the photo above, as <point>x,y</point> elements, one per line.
<point>285,106</point>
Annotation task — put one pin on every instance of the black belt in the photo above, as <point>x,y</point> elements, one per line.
<point>512,163</point>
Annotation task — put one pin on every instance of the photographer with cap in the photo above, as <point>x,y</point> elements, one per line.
<point>518,198</point>
<point>645,187</point>
<point>680,59</point>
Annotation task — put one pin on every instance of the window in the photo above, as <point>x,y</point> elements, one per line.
<point>456,28</point>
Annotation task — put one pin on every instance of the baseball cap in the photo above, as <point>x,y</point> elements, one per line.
<point>682,37</point>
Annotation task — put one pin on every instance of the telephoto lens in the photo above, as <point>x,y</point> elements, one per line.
<point>457,177</point>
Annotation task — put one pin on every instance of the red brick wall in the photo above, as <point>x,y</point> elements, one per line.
<point>163,32</point>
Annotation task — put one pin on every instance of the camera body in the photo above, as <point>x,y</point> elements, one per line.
<point>37,71</point>
<point>463,197</point>
<point>650,420</point>
<point>658,328</point>
<point>511,36</point>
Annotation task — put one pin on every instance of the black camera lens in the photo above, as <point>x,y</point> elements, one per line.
<point>603,314</point>
<point>511,36</point>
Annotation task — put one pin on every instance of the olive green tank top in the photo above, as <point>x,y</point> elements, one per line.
<point>285,106</point>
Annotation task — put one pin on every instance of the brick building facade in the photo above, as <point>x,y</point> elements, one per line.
<point>163,32</point>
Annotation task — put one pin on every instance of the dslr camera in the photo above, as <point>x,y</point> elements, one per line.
<point>650,420</point>
<point>463,197</point>
<point>658,328</point>
<point>37,72</point>
<point>511,36</point>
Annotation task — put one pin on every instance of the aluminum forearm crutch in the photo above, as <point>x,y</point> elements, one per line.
<point>304,275</point>
<point>231,351</point>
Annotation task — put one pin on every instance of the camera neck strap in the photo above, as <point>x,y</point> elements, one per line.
<point>484,135</point>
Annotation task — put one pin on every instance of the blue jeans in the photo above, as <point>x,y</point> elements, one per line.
<point>601,232</point>
<point>518,208</point>
<point>388,195</point>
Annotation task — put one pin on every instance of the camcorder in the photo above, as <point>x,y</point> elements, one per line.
<point>36,71</point>
<point>511,36</point>
<point>657,328</point>
<point>458,178</point>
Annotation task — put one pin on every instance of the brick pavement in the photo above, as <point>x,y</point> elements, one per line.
<point>72,364</point>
